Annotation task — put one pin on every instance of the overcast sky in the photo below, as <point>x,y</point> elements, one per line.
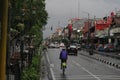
<point>60,11</point>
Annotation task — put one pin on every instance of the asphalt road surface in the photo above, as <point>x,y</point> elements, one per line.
<point>81,68</point>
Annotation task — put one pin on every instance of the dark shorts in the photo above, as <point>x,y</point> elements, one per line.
<point>63,60</point>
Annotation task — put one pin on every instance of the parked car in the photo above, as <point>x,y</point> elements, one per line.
<point>72,49</point>
<point>109,47</point>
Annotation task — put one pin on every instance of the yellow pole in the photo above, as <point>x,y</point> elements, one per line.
<point>3,41</point>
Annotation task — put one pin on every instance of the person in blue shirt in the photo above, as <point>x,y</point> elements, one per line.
<point>63,56</point>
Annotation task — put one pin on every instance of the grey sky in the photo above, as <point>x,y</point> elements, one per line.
<point>60,11</point>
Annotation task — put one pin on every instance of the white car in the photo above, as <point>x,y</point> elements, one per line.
<point>62,45</point>
<point>51,45</point>
<point>56,45</point>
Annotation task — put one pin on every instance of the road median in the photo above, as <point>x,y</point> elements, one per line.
<point>102,58</point>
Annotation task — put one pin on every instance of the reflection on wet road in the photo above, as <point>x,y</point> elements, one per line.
<point>81,68</point>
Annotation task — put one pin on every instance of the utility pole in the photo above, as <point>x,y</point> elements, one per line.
<point>3,40</point>
<point>88,37</point>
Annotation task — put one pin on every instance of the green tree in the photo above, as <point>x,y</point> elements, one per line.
<point>27,16</point>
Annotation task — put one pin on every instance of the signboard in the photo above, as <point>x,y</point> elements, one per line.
<point>101,33</point>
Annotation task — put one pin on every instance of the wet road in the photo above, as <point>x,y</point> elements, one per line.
<point>81,68</point>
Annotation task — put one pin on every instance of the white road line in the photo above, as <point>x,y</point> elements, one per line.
<point>51,70</point>
<point>86,70</point>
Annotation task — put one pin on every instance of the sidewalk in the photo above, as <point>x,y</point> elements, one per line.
<point>44,75</point>
<point>102,58</point>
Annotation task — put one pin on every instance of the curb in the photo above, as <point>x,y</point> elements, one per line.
<point>109,63</point>
<point>103,61</point>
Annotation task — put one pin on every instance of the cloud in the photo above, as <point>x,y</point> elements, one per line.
<point>62,7</point>
<point>62,10</point>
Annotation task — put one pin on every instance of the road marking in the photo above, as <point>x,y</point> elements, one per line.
<point>51,70</point>
<point>52,65</point>
<point>88,77</point>
<point>86,70</point>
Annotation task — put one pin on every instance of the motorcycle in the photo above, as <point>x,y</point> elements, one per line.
<point>91,52</point>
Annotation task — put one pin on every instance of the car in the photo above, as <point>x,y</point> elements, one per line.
<point>109,47</point>
<point>51,45</point>
<point>56,45</point>
<point>117,47</point>
<point>61,45</point>
<point>78,46</point>
<point>72,49</point>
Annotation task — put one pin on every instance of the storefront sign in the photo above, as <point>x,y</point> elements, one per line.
<point>115,30</point>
